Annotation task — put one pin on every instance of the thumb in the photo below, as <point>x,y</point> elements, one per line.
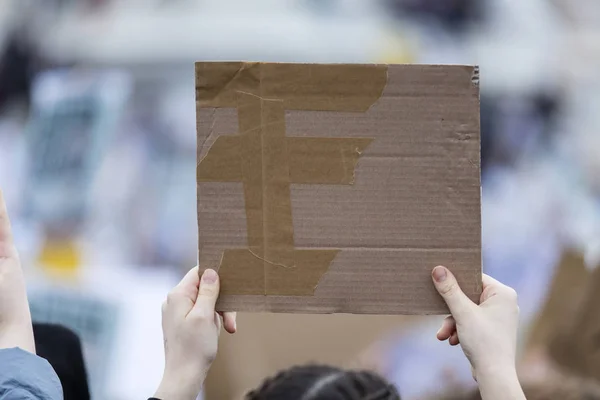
<point>448,288</point>
<point>207,294</point>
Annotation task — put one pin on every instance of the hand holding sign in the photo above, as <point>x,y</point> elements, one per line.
<point>487,332</point>
<point>191,330</point>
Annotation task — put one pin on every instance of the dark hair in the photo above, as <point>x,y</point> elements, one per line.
<point>61,347</point>
<point>318,382</point>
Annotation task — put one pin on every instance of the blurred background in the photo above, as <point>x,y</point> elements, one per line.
<point>97,162</point>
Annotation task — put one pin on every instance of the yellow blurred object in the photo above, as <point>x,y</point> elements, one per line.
<point>396,50</point>
<point>60,258</point>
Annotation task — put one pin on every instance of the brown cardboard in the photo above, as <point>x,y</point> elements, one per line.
<point>337,188</point>
<point>268,343</point>
<point>562,301</point>
<point>575,344</point>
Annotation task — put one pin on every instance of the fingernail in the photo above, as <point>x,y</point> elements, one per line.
<point>209,276</point>
<point>439,274</point>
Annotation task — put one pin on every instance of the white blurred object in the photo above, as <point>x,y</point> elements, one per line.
<point>580,12</point>
<point>73,118</point>
<point>580,58</point>
<point>519,49</point>
<point>91,318</point>
<point>116,310</point>
<point>138,356</point>
<point>264,31</point>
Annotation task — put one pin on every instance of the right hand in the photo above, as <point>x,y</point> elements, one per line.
<point>191,328</point>
<point>487,332</point>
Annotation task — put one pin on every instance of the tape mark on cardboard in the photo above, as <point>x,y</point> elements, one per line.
<point>267,161</point>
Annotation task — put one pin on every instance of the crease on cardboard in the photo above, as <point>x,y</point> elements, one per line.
<point>267,161</point>
<point>219,87</point>
<point>211,131</point>
<point>234,77</point>
<point>270,262</point>
<point>255,95</point>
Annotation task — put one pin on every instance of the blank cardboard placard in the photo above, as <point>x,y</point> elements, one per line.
<point>562,304</point>
<point>575,342</point>
<point>337,188</point>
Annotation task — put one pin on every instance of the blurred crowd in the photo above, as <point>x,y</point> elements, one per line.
<point>98,152</point>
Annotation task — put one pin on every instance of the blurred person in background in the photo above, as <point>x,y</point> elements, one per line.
<point>487,332</point>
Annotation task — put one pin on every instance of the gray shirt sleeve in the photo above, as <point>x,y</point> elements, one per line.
<point>25,376</point>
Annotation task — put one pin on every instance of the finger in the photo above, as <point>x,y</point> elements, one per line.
<point>208,294</point>
<point>447,329</point>
<point>182,297</point>
<point>6,239</point>
<point>448,288</point>
<point>229,321</point>
<point>492,287</point>
<point>191,280</point>
<point>218,321</point>
<point>454,339</point>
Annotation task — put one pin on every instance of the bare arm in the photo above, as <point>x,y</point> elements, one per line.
<point>16,329</point>
<point>191,328</point>
<point>487,333</point>
<point>500,383</point>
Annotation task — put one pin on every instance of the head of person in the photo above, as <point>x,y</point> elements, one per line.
<point>318,382</point>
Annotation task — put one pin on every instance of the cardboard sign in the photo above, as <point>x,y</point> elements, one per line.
<point>575,343</point>
<point>562,303</point>
<point>264,342</point>
<point>338,188</point>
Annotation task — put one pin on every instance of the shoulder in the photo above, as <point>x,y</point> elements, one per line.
<point>26,376</point>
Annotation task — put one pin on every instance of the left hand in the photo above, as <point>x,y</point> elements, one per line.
<point>191,330</point>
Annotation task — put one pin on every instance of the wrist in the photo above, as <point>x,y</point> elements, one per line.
<point>179,386</point>
<point>497,371</point>
<point>499,382</point>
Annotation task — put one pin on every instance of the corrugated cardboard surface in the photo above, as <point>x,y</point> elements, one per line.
<point>411,203</point>
<point>575,344</point>
<point>563,301</point>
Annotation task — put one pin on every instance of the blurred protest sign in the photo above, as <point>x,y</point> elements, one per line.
<point>73,117</point>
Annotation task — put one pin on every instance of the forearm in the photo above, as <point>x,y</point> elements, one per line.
<point>500,384</point>
<point>20,336</point>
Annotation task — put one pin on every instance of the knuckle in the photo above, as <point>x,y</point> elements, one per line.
<point>209,291</point>
<point>449,289</point>
<point>171,297</point>
<point>211,355</point>
<point>164,306</point>
<point>512,295</point>
<point>488,292</point>
<point>202,316</point>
